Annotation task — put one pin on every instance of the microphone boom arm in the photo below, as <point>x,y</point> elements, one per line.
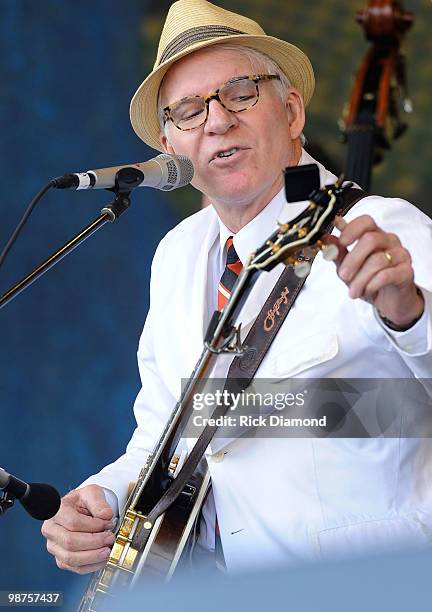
<point>127,179</point>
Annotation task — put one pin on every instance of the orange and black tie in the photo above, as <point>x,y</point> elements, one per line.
<point>232,270</point>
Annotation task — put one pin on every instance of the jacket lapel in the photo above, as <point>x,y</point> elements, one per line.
<point>197,306</point>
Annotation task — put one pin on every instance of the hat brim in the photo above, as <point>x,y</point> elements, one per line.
<point>292,61</point>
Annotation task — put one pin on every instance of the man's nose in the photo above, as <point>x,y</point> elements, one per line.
<point>219,119</point>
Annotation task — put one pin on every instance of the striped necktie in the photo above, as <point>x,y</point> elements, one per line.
<point>232,269</point>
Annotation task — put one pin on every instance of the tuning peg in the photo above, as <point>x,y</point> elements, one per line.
<point>302,269</point>
<point>330,252</point>
<point>309,252</point>
<point>283,227</point>
<point>408,105</point>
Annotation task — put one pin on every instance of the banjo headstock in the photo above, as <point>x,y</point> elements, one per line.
<point>303,234</point>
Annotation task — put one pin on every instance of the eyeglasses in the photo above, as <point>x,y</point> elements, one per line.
<point>236,95</point>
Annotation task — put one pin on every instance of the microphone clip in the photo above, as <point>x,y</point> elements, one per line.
<point>126,180</point>
<point>7,500</point>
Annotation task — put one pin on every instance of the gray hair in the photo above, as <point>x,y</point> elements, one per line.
<point>260,62</point>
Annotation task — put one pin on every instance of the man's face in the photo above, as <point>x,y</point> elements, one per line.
<point>266,136</point>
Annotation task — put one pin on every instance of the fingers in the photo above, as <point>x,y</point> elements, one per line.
<point>353,230</point>
<point>392,267</point>
<point>92,498</point>
<point>378,269</point>
<point>77,508</point>
<point>371,242</point>
<point>396,275</point>
<point>77,560</point>
<point>375,252</point>
<point>83,569</point>
<point>79,540</point>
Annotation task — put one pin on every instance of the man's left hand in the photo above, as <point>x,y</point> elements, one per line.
<point>378,269</point>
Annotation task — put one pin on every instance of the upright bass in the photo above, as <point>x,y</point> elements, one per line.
<point>373,116</point>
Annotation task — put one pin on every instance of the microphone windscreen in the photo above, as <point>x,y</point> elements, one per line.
<point>42,501</point>
<point>180,171</point>
<point>186,170</point>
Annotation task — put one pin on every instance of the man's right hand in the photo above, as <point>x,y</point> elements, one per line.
<point>79,536</point>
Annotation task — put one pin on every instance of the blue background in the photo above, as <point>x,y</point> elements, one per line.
<point>67,351</point>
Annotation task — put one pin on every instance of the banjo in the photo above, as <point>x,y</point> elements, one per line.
<point>154,529</point>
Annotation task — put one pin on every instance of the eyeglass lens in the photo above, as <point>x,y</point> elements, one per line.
<point>235,96</point>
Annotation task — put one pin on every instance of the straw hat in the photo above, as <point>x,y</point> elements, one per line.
<point>194,24</point>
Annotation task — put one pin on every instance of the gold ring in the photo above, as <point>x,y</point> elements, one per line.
<point>388,256</point>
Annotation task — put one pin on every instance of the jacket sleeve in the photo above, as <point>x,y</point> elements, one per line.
<point>414,229</point>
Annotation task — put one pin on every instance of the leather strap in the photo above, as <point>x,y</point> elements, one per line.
<point>243,369</point>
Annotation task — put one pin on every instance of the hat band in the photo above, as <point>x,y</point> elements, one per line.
<point>194,35</point>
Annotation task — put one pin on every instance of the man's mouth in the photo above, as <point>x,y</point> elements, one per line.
<point>227,153</point>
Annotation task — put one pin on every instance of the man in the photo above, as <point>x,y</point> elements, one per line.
<point>277,500</point>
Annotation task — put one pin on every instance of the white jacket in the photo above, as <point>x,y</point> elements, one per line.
<point>288,500</point>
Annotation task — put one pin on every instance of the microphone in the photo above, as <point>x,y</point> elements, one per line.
<point>41,501</point>
<point>164,172</point>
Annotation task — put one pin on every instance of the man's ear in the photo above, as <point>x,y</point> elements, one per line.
<point>166,146</point>
<point>296,112</point>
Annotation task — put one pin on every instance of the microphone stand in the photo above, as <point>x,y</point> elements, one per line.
<point>126,180</point>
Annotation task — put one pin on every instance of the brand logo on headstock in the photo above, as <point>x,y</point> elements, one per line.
<point>269,321</point>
